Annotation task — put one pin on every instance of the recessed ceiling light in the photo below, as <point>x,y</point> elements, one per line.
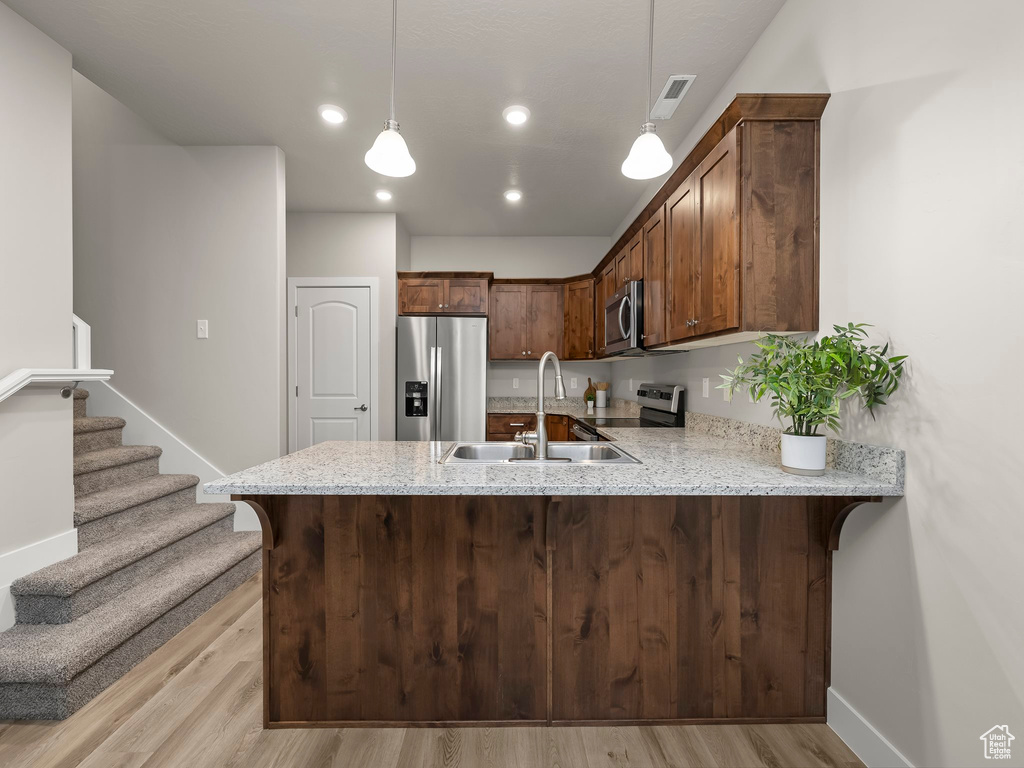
<point>333,114</point>
<point>513,195</point>
<point>383,195</point>
<point>516,115</point>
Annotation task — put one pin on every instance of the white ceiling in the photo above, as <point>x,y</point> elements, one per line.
<point>255,71</point>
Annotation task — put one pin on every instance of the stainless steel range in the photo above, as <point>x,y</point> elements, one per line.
<point>661,405</point>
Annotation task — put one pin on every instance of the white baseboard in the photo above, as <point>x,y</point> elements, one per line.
<point>21,562</point>
<point>177,457</point>
<point>873,749</point>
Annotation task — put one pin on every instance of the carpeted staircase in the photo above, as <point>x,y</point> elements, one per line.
<point>150,561</point>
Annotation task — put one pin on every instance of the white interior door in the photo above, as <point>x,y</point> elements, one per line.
<point>332,365</point>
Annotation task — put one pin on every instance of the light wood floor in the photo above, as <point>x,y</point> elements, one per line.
<point>197,702</point>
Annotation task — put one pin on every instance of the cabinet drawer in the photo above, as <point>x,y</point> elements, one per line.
<point>505,425</point>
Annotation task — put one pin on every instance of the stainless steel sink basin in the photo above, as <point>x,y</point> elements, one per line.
<point>559,454</point>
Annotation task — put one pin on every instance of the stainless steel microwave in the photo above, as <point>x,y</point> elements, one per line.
<point>624,319</point>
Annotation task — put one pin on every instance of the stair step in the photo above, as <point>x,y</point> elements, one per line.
<point>80,397</point>
<point>96,424</point>
<point>96,433</point>
<point>47,671</point>
<point>122,497</point>
<point>70,588</point>
<point>97,470</point>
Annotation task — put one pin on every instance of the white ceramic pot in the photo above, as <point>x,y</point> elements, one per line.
<point>602,398</point>
<point>590,406</point>
<point>803,455</point>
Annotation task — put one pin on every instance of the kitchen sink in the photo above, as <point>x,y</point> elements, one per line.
<point>559,454</point>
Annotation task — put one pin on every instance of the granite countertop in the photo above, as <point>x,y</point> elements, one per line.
<point>675,462</point>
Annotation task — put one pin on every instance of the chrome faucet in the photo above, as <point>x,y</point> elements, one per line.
<point>539,437</point>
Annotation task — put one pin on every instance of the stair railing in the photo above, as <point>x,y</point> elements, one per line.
<point>66,379</point>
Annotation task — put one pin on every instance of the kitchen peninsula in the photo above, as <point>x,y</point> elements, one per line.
<point>692,586</point>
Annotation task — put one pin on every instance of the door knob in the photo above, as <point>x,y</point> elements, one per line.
<point>360,407</point>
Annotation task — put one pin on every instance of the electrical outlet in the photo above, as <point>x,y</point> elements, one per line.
<point>572,383</point>
<point>515,383</point>
<point>707,387</point>
<point>202,329</point>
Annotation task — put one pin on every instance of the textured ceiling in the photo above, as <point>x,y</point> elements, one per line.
<point>254,72</point>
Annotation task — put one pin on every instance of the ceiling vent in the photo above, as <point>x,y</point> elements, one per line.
<point>671,95</point>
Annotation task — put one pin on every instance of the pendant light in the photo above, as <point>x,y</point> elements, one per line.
<point>647,157</point>
<point>389,154</point>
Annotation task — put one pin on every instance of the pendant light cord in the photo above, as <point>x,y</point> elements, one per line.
<point>650,63</point>
<point>394,37</point>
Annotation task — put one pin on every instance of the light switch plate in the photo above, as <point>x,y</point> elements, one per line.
<point>706,383</point>
<point>515,383</point>
<point>202,329</point>
<point>572,383</point>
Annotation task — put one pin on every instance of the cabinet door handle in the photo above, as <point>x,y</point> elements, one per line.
<point>524,351</point>
<point>516,424</point>
<point>440,306</point>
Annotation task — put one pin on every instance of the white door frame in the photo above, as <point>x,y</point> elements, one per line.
<point>294,283</point>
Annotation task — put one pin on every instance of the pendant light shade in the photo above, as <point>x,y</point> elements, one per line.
<point>389,155</point>
<point>647,158</point>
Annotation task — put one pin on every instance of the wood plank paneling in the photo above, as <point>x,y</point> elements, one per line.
<point>689,608</point>
<point>421,609</point>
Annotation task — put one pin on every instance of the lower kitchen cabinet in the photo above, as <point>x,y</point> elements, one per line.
<point>558,428</point>
<point>502,427</point>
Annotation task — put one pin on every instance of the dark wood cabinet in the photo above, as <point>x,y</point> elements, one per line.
<point>506,322</point>
<point>622,267</point>
<point>682,261</point>
<point>504,426</point>
<point>526,321</point>
<point>689,607</point>
<point>717,187</point>
<point>421,296</point>
<point>558,427</point>
<point>607,288</point>
<point>636,257</point>
<point>442,296</point>
<point>654,279</point>
<point>466,296</point>
<point>579,320</point>
<point>546,319</point>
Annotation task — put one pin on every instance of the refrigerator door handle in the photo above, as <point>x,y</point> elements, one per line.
<point>440,414</point>
<point>432,401</point>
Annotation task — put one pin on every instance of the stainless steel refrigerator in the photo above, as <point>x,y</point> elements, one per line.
<point>442,378</point>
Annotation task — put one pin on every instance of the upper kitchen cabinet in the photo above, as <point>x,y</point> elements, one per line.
<point>525,321</point>
<point>420,295</point>
<point>579,320</point>
<point>604,288</point>
<point>654,278</point>
<point>740,221</point>
<point>703,247</point>
<point>636,257</point>
<point>437,294</point>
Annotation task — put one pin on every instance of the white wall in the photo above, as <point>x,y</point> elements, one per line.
<point>356,245</point>
<point>510,257</point>
<point>166,235</point>
<point>36,516</point>
<point>921,196</point>
<point>501,378</point>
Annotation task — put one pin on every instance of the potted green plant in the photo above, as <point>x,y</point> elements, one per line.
<point>807,380</point>
<point>589,397</point>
